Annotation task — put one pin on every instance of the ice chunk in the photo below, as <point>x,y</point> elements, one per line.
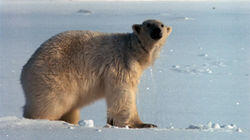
<point>193,127</point>
<point>86,123</point>
<point>209,124</point>
<point>85,12</point>
<point>203,55</point>
<point>227,126</point>
<point>99,130</point>
<point>71,127</point>
<point>219,64</point>
<point>209,71</point>
<point>175,66</point>
<point>188,18</point>
<point>238,130</point>
<point>216,126</point>
<point>233,125</point>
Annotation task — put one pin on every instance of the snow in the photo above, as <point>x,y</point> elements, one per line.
<point>197,89</point>
<point>86,123</point>
<point>15,128</point>
<point>215,127</point>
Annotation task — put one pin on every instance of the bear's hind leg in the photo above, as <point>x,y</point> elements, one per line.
<point>72,116</point>
<point>44,109</point>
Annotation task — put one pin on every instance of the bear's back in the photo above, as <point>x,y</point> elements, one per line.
<point>61,46</point>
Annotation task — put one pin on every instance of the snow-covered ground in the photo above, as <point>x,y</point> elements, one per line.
<point>199,88</point>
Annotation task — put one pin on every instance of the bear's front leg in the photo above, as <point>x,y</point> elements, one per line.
<point>122,111</point>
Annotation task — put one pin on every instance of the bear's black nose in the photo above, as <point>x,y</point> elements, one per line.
<point>156,33</point>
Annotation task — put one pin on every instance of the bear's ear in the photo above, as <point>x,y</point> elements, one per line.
<point>136,28</point>
<point>169,29</point>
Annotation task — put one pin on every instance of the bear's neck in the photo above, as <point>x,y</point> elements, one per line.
<point>143,53</point>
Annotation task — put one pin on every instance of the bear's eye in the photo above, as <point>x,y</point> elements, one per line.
<point>162,25</point>
<point>148,25</point>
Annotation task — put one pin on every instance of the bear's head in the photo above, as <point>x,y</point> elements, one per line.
<point>151,32</point>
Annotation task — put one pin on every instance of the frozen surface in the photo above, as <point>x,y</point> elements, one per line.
<point>202,74</point>
<point>86,123</point>
<point>19,128</point>
<point>215,127</point>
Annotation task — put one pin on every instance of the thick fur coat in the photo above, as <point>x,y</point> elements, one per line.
<point>75,68</point>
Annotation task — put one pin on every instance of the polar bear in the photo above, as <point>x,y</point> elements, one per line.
<point>75,68</point>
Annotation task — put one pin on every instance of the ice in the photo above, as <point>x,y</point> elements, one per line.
<point>99,130</point>
<point>171,127</point>
<point>86,123</point>
<point>203,55</point>
<point>175,66</point>
<point>202,73</point>
<point>192,69</point>
<point>189,18</point>
<point>85,12</point>
<point>71,127</point>
<point>9,118</point>
<point>215,127</point>
<point>238,130</point>
<point>207,67</point>
<point>15,122</point>
<point>228,126</point>
<point>35,128</point>
<point>193,127</point>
